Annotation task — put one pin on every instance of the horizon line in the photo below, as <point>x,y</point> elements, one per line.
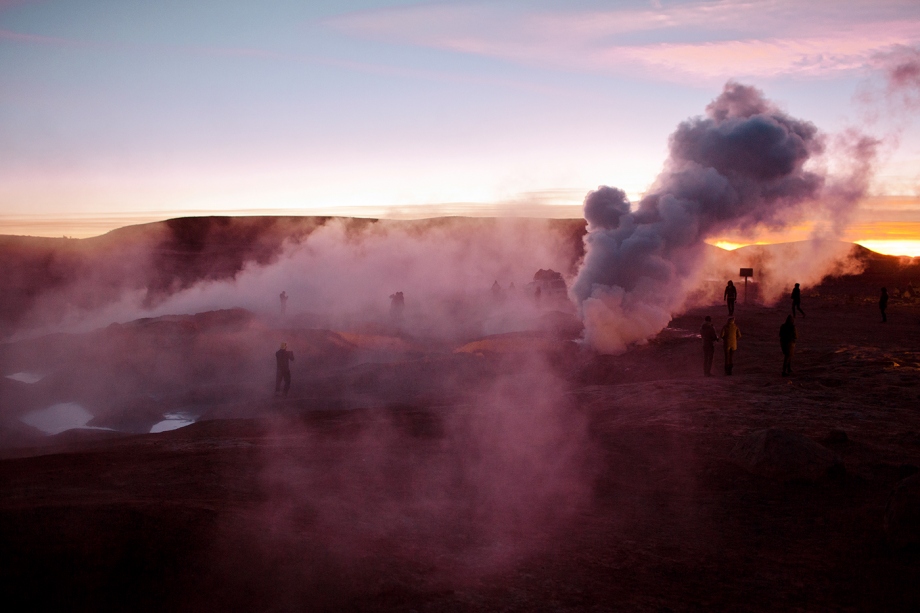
<point>885,224</point>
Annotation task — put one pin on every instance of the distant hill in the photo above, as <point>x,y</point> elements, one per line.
<point>877,268</point>
<point>161,258</point>
<point>164,257</point>
<point>830,268</point>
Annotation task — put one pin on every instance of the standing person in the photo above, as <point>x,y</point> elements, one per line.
<point>283,359</point>
<point>787,338</point>
<point>496,292</point>
<point>708,333</point>
<point>730,335</point>
<point>729,296</point>
<point>883,304</point>
<point>284,298</point>
<point>397,306</point>
<point>797,300</point>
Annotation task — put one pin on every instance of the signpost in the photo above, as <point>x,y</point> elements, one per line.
<point>746,272</point>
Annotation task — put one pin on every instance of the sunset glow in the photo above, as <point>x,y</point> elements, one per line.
<point>730,246</point>
<point>414,110</point>
<point>909,248</point>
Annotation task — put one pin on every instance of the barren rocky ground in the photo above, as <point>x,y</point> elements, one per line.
<point>612,488</point>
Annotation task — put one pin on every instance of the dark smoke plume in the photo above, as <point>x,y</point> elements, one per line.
<point>740,167</point>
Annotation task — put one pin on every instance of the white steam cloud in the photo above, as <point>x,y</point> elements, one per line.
<point>341,277</point>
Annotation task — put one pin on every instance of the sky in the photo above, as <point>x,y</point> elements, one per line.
<point>116,112</point>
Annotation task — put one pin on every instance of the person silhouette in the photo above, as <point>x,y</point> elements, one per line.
<point>729,296</point>
<point>497,292</point>
<point>730,335</point>
<point>397,306</point>
<point>709,336</point>
<point>283,298</point>
<point>797,300</point>
<point>283,359</point>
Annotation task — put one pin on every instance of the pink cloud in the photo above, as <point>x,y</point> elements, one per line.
<point>688,41</point>
<point>717,60</point>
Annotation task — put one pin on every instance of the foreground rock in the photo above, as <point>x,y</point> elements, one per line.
<point>784,455</point>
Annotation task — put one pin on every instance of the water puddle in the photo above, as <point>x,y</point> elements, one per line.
<point>59,418</point>
<point>679,333</point>
<point>173,421</point>
<point>26,377</point>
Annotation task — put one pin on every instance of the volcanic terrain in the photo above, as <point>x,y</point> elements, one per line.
<point>147,464</point>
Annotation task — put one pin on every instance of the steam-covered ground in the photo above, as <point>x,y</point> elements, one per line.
<point>449,468</point>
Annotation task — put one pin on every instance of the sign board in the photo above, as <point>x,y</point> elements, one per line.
<point>746,272</point>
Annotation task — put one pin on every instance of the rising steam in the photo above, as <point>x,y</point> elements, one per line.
<point>340,275</point>
<point>902,72</point>
<point>743,166</point>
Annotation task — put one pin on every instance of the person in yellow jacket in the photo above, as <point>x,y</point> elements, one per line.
<point>730,335</point>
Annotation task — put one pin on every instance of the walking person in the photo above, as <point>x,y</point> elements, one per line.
<point>283,359</point>
<point>283,297</point>
<point>883,304</point>
<point>730,335</point>
<point>797,300</point>
<point>729,296</point>
<point>708,334</point>
<point>787,338</point>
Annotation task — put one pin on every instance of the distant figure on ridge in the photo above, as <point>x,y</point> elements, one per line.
<point>709,336</point>
<point>787,338</point>
<point>283,359</point>
<point>730,335</point>
<point>397,305</point>
<point>883,304</point>
<point>284,298</point>
<point>496,292</point>
<point>797,300</point>
<point>536,295</point>
<point>729,296</point>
